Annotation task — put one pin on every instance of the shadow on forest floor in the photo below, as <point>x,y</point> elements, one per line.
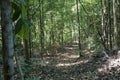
<point>68,66</point>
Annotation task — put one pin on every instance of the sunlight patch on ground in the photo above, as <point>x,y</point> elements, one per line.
<point>73,56</point>
<point>88,51</point>
<point>68,55</point>
<point>71,64</point>
<point>46,62</point>
<point>100,69</point>
<point>75,42</point>
<point>70,48</point>
<point>75,45</point>
<point>113,63</point>
<point>103,68</point>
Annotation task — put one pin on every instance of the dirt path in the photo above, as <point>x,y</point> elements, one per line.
<point>67,66</point>
<point>63,65</point>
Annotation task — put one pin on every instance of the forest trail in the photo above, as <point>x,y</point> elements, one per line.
<point>68,66</point>
<point>63,65</point>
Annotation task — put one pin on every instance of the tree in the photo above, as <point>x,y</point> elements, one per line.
<point>41,2</point>
<point>78,22</point>
<point>109,26</point>
<point>115,23</point>
<point>7,39</point>
<point>116,15</point>
<point>104,31</point>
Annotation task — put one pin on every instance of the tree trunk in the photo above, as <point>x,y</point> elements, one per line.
<point>29,34</point>
<point>78,21</point>
<point>115,23</point>
<point>41,27</point>
<point>26,40</point>
<point>109,25</point>
<point>27,55</point>
<point>7,40</point>
<point>104,21</point>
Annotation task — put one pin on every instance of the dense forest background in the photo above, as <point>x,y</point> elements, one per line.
<point>60,39</point>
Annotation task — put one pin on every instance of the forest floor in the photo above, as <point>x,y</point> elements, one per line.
<point>66,65</point>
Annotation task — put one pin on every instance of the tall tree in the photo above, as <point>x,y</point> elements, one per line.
<point>115,23</point>
<point>29,32</point>
<point>78,21</point>
<point>25,15</point>
<point>109,25</point>
<point>7,39</point>
<point>104,22</point>
<point>41,26</point>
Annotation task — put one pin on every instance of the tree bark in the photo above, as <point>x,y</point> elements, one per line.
<point>115,23</point>
<point>27,55</point>
<point>103,21</point>
<point>109,25</point>
<point>78,21</point>
<point>41,27</point>
<point>7,40</point>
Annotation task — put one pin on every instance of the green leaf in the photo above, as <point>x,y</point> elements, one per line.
<point>17,11</point>
<point>18,25</point>
<point>24,31</point>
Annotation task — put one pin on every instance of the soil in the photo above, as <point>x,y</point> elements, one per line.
<point>67,65</point>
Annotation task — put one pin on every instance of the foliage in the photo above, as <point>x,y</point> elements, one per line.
<point>51,27</point>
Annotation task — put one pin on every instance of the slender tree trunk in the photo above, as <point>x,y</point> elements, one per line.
<point>26,40</point>
<point>62,24</point>
<point>27,56</point>
<point>118,22</point>
<point>29,34</point>
<point>30,44</point>
<point>62,30</point>
<point>7,40</point>
<point>106,24</point>
<point>109,25</point>
<point>103,20</point>
<point>78,21</point>
<point>72,32</point>
<point>51,18</point>
<point>41,16</point>
<point>115,23</point>
<point>41,26</point>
